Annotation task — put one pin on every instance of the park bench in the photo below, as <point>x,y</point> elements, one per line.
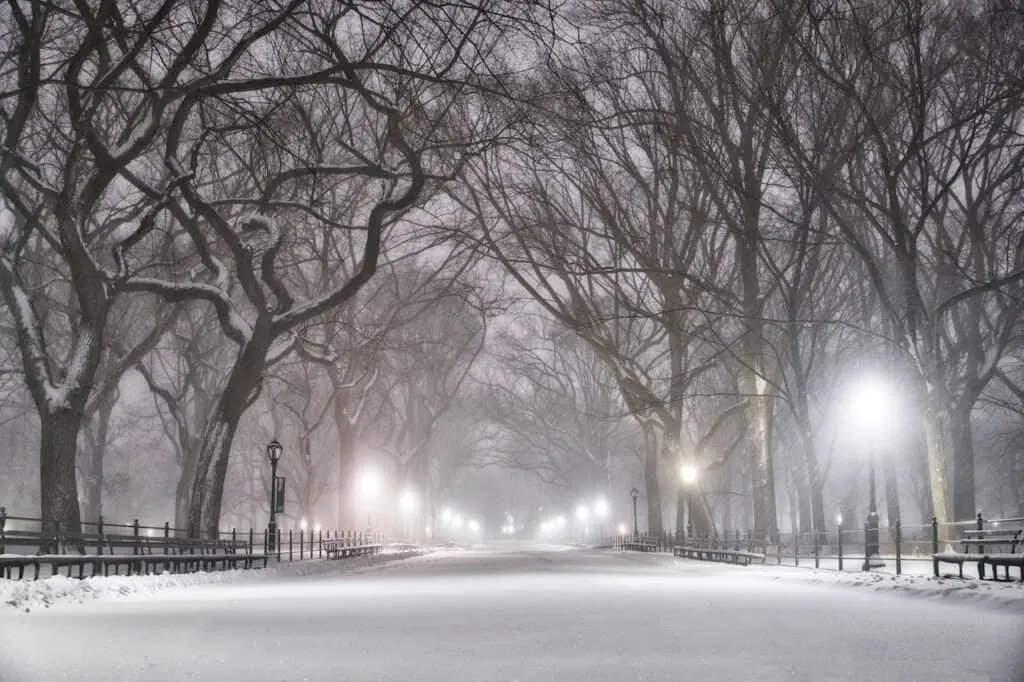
<point>340,548</point>
<point>719,554</point>
<point>639,546</point>
<point>992,546</point>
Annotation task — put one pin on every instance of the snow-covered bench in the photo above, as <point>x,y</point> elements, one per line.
<point>982,546</point>
<point>722,555</point>
<point>340,548</point>
<point>639,546</point>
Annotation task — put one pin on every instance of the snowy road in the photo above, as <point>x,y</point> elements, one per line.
<point>515,613</point>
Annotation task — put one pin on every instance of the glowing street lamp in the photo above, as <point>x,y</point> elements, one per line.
<point>870,405</point>
<point>601,512</point>
<point>689,473</point>
<point>369,484</point>
<point>274,452</point>
<point>635,494</point>
<point>582,513</point>
<point>407,504</point>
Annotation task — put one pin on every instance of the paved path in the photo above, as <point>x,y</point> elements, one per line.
<point>515,613</point>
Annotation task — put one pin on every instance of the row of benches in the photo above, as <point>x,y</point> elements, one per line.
<point>339,549</point>
<point>133,564</point>
<point>721,555</point>
<point>114,553</point>
<point>712,553</point>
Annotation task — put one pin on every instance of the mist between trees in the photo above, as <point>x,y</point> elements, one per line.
<point>514,254</point>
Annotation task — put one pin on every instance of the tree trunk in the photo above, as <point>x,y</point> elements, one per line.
<point>58,483</point>
<point>94,448</point>
<point>346,457</point>
<point>935,438</point>
<point>651,456</point>
<point>183,490</point>
<point>892,495</point>
<point>815,484</point>
<point>207,490</point>
<point>962,436</point>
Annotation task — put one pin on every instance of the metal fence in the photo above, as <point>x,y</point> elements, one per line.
<point>902,549</point>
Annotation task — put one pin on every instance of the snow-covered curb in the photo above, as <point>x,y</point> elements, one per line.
<point>26,595</point>
<point>1000,595</point>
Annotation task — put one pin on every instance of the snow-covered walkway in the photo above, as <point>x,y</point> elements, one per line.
<point>516,612</point>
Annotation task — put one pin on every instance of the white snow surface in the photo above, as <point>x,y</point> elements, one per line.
<point>513,612</point>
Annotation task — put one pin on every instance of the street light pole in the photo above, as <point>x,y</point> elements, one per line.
<point>634,493</point>
<point>274,451</point>
<point>871,554</point>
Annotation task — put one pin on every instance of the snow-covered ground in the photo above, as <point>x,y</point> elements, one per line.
<point>512,612</point>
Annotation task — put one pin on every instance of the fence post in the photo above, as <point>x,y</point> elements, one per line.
<point>302,543</point>
<point>167,533</point>
<point>290,556</point>
<point>817,551</point>
<point>839,536</point>
<point>935,545</point>
<point>899,554</point>
<point>99,535</point>
<point>796,549</point>
<point>277,542</point>
<point>3,531</point>
<point>135,534</point>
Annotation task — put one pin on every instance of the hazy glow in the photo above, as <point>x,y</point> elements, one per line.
<point>407,501</point>
<point>601,508</point>
<point>622,529</point>
<point>870,404</point>
<point>369,483</point>
<point>446,515</point>
<point>689,473</point>
<point>302,524</point>
<point>582,512</point>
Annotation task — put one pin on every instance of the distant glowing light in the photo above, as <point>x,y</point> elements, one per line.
<point>446,515</point>
<point>601,508</point>
<point>457,520</point>
<point>839,519</point>
<point>582,512</point>
<point>622,529</point>
<point>302,524</point>
<point>474,526</point>
<point>560,521</point>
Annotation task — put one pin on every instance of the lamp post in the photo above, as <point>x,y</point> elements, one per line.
<point>274,451</point>
<point>688,474</point>
<point>407,504</point>
<point>368,485</point>
<point>601,511</point>
<point>871,406</point>
<point>634,493</point>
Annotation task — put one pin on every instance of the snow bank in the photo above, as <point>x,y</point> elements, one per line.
<point>1000,595</point>
<point>26,595</point>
